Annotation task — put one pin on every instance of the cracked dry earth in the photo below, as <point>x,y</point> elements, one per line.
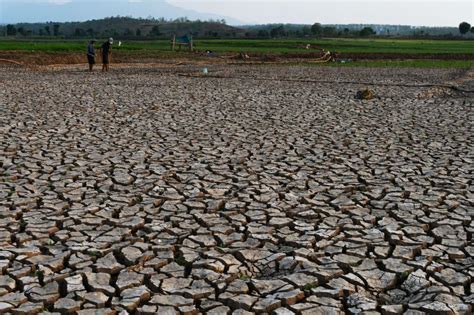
<point>145,192</point>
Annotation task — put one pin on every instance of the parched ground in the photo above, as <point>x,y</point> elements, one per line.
<point>259,190</point>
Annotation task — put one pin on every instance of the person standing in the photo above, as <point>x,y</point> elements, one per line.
<point>91,54</point>
<point>106,50</point>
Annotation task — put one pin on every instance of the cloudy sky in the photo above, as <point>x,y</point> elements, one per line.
<point>414,12</point>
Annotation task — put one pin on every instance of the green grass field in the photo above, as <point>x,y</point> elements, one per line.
<point>264,46</point>
<point>406,50</point>
<point>345,46</point>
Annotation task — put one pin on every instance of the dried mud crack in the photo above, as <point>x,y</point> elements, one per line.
<point>145,192</point>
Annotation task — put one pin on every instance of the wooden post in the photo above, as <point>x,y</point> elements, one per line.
<point>173,44</point>
<point>191,44</point>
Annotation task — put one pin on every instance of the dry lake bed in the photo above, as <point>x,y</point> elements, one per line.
<point>254,189</point>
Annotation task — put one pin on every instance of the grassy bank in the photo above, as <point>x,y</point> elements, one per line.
<point>263,46</point>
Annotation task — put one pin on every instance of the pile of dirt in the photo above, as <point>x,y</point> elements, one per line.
<point>42,58</point>
<point>53,58</point>
<point>365,94</point>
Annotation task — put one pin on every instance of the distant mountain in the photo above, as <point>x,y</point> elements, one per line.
<point>21,11</point>
<point>126,27</point>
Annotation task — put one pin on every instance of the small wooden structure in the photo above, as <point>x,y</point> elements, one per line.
<point>185,40</point>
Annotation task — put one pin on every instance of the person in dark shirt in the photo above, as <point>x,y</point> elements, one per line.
<point>106,50</point>
<point>91,54</point>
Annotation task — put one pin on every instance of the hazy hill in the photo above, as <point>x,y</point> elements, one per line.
<point>131,27</point>
<point>128,27</point>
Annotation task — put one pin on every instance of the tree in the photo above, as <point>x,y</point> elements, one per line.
<point>329,31</point>
<point>155,31</point>
<point>48,31</point>
<point>21,31</point>
<point>79,32</point>
<point>366,31</point>
<point>306,30</point>
<point>138,32</point>
<point>90,32</point>
<point>263,33</point>
<point>56,29</point>
<point>464,27</point>
<point>317,29</point>
<point>472,29</point>
<point>128,32</point>
<point>278,31</point>
<point>11,30</point>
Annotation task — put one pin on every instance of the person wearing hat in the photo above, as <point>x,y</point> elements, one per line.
<point>91,54</point>
<point>106,50</point>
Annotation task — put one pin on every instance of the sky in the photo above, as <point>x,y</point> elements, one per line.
<point>415,12</point>
<point>15,11</point>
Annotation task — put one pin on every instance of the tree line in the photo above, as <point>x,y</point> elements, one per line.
<point>121,26</point>
<point>11,30</point>
<point>465,27</point>
<point>318,30</point>
<point>141,28</point>
<point>47,30</point>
